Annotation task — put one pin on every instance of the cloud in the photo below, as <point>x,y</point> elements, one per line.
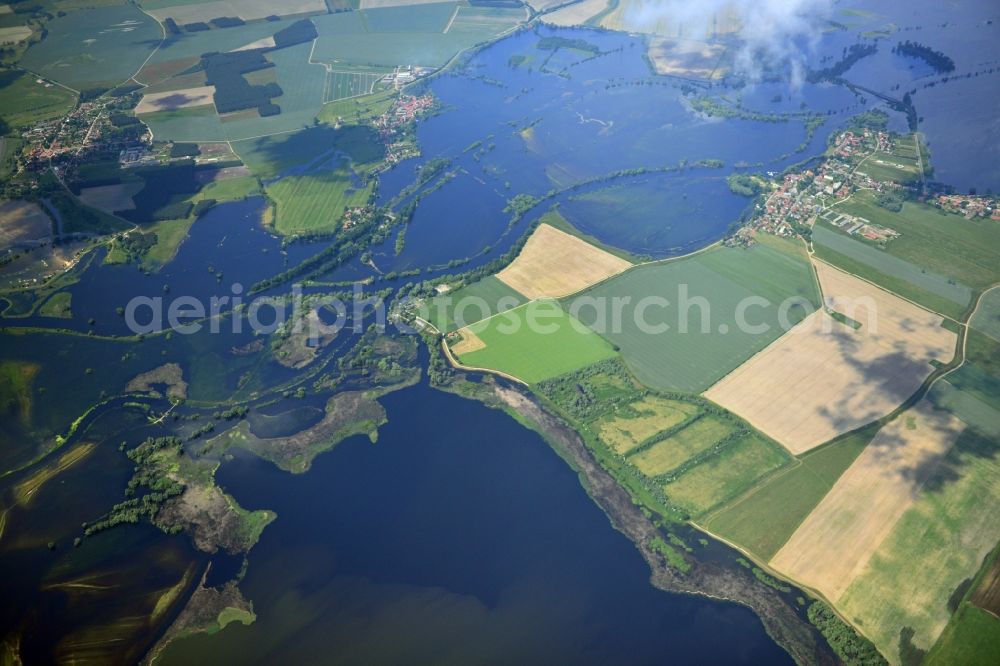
<point>773,33</point>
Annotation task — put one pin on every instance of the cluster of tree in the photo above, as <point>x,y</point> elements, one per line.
<point>850,646</point>
<point>941,63</point>
<point>851,55</point>
<point>744,184</point>
<point>203,430</point>
<point>233,413</point>
<point>173,211</point>
<point>149,480</point>
<point>552,43</point>
<point>184,150</point>
<point>890,201</point>
<point>135,244</point>
<point>123,120</point>
<point>346,245</point>
<point>233,92</point>
<point>713,107</point>
<point>125,90</point>
<point>171,26</point>
<point>197,26</point>
<point>876,119</point>
<point>203,207</point>
<point>520,204</point>
<point>227,22</point>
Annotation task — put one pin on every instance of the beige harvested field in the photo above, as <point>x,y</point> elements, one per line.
<point>554,264</point>
<point>176,99</point>
<point>893,322</point>
<point>576,14</point>
<point>836,541</point>
<point>14,35</point>
<point>248,10</point>
<point>22,221</point>
<point>111,198</point>
<point>470,342</point>
<point>263,43</point>
<point>687,58</point>
<point>824,378</point>
<point>655,414</point>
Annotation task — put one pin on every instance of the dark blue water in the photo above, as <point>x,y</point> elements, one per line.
<point>459,540</point>
<point>227,241</point>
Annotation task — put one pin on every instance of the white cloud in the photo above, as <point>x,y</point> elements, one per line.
<point>773,32</point>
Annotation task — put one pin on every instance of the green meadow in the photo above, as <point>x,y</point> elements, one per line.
<point>557,345</point>
<point>708,288</point>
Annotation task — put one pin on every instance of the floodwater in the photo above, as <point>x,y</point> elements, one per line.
<point>460,537</point>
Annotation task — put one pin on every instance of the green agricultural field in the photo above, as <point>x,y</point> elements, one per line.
<point>94,48</point>
<point>357,109</point>
<point>479,20</point>
<point>688,443</point>
<point>199,124</point>
<point>425,35</point>
<point>472,303</point>
<point>972,637</point>
<point>940,242</point>
<point>987,318</point>
<point>345,85</point>
<point>316,203</point>
<point>764,518</point>
<point>899,275</point>
<point>724,475</point>
<point>24,101</point>
<point>557,345</point>
<point>428,18</point>
<point>944,538</point>
<point>716,283</point>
